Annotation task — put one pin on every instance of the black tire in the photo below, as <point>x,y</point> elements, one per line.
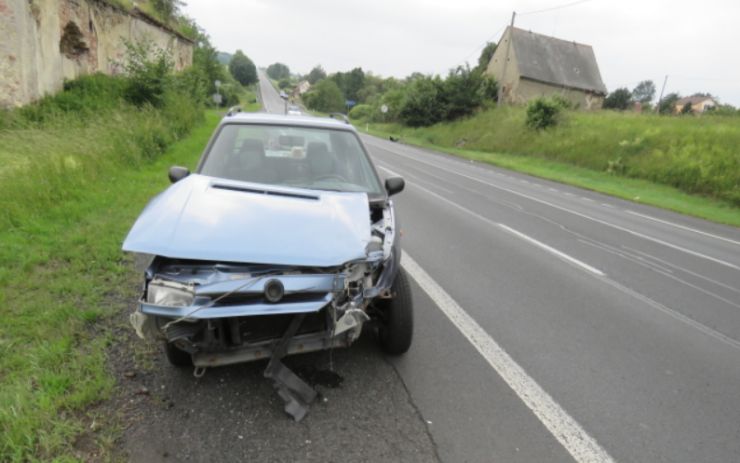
<point>177,357</point>
<point>396,327</point>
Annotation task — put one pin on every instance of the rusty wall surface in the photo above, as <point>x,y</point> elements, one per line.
<point>36,55</point>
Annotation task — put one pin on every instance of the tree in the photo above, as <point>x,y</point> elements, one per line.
<point>461,92</point>
<point>243,69</point>
<point>350,82</point>
<point>486,55</point>
<point>167,9</point>
<point>620,99</point>
<point>668,103</point>
<point>687,109</point>
<point>278,71</point>
<point>325,96</point>
<point>423,105</point>
<point>644,92</point>
<point>316,74</point>
<point>206,59</point>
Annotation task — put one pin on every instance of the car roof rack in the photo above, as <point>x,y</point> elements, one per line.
<point>340,116</point>
<point>234,110</point>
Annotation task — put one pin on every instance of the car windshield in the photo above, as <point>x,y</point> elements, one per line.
<point>302,157</point>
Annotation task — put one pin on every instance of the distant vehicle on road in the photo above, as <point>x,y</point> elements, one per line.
<point>282,241</point>
<point>294,110</point>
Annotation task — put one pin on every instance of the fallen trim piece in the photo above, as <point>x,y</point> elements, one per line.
<point>293,390</point>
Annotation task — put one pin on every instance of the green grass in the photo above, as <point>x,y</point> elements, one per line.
<point>249,102</point>
<point>686,164</point>
<point>65,214</point>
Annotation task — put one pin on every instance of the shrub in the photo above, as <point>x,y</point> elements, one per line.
<point>361,111</point>
<point>620,99</point>
<point>423,103</point>
<point>149,72</point>
<point>325,97</point>
<point>542,113</point>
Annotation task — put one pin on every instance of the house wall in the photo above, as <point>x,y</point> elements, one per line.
<point>32,62</point>
<point>495,68</point>
<point>529,89</point>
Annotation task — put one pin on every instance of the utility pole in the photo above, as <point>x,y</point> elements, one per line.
<point>657,105</point>
<point>499,99</point>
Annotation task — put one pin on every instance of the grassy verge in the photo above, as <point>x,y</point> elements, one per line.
<point>61,266</point>
<point>561,170</point>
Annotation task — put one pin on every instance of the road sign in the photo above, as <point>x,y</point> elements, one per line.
<point>217,83</point>
<point>384,109</point>
<point>350,103</point>
<point>217,98</point>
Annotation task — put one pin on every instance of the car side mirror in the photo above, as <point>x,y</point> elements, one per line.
<point>178,173</point>
<point>394,185</point>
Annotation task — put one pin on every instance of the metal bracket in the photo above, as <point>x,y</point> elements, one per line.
<point>293,390</point>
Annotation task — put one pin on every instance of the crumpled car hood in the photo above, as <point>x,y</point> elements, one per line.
<point>207,218</point>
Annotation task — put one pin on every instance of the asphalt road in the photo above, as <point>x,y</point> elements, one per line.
<point>552,324</point>
<point>558,324</point>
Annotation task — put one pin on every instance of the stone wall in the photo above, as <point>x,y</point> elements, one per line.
<point>45,42</point>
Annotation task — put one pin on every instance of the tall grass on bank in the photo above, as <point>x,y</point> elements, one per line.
<point>698,155</point>
<point>74,175</point>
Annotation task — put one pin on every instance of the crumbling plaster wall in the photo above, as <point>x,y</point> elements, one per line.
<point>34,62</point>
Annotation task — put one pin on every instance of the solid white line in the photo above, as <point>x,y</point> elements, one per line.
<point>570,434</point>
<point>571,211</point>
<point>683,227</point>
<point>552,250</point>
<point>521,235</point>
<point>395,174</point>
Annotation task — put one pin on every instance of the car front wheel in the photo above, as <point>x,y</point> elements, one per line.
<point>177,357</point>
<point>396,327</point>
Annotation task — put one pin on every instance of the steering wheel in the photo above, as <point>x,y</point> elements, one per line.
<point>330,177</point>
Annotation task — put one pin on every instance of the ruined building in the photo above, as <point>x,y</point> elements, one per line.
<point>45,42</point>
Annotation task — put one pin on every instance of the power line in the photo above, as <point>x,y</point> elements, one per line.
<point>479,47</point>
<point>560,7</point>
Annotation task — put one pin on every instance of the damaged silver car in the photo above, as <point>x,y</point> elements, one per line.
<point>283,241</point>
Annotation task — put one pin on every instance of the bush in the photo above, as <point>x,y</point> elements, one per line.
<point>325,97</point>
<point>620,99</point>
<point>149,72</point>
<point>423,103</point>
<point>542,113</point>
<point>361,112</point>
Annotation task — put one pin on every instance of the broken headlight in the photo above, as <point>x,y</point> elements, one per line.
<point>169,293</point>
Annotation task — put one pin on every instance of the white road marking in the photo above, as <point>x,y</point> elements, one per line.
<point>554,251</point>
<point>683,227</point>
<point>518,234</point>
<point>607,205</point>
<point>581,446</point>
<point>395,174</point>
<point>587,199</point>
<point>571,211</point>
<point>675,314</point>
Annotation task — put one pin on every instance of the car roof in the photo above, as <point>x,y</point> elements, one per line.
<point>280,119</point>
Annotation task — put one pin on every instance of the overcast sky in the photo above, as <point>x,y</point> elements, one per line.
<point>697,43</point>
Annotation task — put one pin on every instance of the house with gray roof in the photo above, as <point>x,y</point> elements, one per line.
<point>539,65</point>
